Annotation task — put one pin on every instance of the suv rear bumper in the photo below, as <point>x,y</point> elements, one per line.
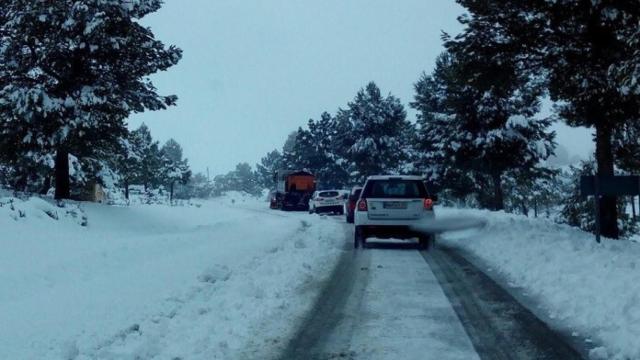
<point>387,231</point>
<point>400,229</point>
<point>332,208</point>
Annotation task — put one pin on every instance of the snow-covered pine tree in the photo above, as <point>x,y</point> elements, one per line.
<point>198,187</point>
<point>376,143</point>
<point>266,169</point>
<point>325,164</point>
<point>477,123</point>
<point>175,169</point>
<point>128,161</point>
<point>296,153</point>
<point>583,49</point>
<point>69,67</point>
<point>434,119</point>
<point>242,178</point>
<point>532,190</point>
<point>627,153</point>
<point>148,171</point>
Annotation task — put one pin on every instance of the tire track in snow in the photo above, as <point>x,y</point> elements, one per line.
<point>497,324</point>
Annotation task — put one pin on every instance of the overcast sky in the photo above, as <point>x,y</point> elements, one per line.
<point>253,71</point>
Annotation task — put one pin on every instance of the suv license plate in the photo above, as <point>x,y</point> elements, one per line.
<point>395,205</point>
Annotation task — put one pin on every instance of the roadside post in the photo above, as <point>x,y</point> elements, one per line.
<point>598,186</point>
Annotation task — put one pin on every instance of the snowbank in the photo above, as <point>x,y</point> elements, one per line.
<point>39,210</point>
<point>590,287</point>
<point>224,279</point>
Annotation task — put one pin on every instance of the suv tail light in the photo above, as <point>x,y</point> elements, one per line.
<point>428,204</point>
<point>362,205</point>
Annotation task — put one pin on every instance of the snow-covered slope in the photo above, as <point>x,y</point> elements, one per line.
<point>587,286</point>
<point>222,280</point>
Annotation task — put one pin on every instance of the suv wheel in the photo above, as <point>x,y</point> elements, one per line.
<point>425,242</point>
<point>358,238</point>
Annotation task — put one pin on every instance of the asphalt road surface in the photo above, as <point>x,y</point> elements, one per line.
<point>392,301</point>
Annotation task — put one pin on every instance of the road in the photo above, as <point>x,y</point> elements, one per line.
<point>392,301</point>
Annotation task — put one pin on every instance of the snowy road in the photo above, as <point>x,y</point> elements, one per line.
<point>393,302</point>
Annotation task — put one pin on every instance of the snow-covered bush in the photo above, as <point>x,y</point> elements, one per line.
<point>38,209</point>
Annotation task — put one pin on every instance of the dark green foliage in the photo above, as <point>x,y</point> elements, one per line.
<point>312,151</point>
<point>266,169</point>
<point>71,72</point>
<point>198,187</point>
<point>243,179</point>
<point>579,211</point>
<point>372,130</point>
<point>150,161</point>
<point>174,168</point>
<point>582,48</point>
<point>476,124</point>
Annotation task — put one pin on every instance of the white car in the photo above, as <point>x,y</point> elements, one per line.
<point>327,201</point>
<point>389,206</point>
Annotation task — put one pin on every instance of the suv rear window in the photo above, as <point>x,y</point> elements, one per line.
<point>328,194</point>
<point>395,189</point>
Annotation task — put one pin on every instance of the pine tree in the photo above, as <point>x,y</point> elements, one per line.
<point>328,167</point>
<point>267,168</point>
<point>174,169</point>
<point>243,178</point>
<point>198,187</point>
<point>579,211</point>
<point>375,141</point>
<point>128,161</point>
<point>70,68</point>
<point>583,49</point>
<point>312,151</point>
<point>149,166</point>
<point>477,123</point>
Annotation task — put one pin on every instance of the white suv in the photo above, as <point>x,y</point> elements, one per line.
<point>327,201</point>
<point>389,206</point>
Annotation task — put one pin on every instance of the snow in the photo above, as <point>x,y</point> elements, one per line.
<point>224,279</point>
<point>398,285</point>
<point>592,288</point>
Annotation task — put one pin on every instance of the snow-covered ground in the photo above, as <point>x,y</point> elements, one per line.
<point>223,280</point>
<point>593,288</point>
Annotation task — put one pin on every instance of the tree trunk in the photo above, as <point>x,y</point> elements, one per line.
<point>633,207</point>
<point>498,197</point>
<point>525,209</point>
<point>126,189</point>
<point>63,185</point>
<point>604,159</point>
<point>171,193</point>
<point>535,208</point>
<point>46,185</point>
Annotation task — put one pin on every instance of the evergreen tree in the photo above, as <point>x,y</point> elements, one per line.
<point>375,143</point>
<point>327,165</point>
<point>532,190</point>
<point>174,169</point>
<point>128,160</point>
<point>312,151</point>
<point>198,187</point>
<point>149,167</point>
<point>476,123</point>
<point>267,168</point>
<point>582,47</point>
<point>243,178</point>
<point>579,211</point>
<point>70,68</point>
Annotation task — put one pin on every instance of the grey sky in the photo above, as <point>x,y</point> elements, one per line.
<point>253,71</point>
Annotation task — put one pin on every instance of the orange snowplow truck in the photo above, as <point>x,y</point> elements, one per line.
<point>293,190</point>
